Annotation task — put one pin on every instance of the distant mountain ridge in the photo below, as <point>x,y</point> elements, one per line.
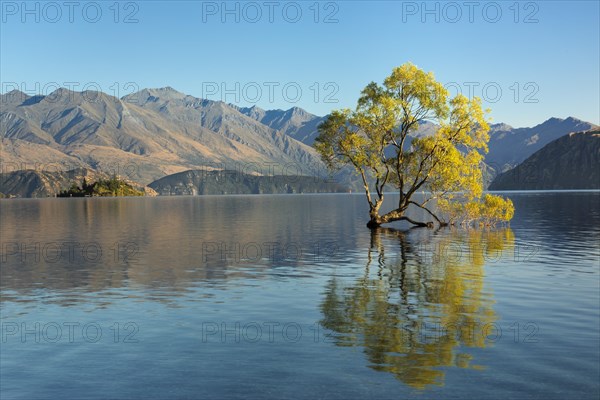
<point>153,133</point>
<point>510,146</point>
<point>202,182</point>
<point>295,122</point>
<point>159,131</point>
<point>569,162</point>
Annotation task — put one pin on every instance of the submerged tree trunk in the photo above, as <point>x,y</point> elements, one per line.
<point>376,220</point>
<point>396,215</point>
<point>373,223</point>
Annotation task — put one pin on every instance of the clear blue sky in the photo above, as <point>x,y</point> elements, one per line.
<point>543,55</point>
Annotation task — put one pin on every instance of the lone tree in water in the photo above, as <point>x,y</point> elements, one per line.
<point>377,141</point>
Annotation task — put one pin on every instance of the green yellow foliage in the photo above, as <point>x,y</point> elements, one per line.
<point>420,313</point>
<point>113,187</point>
<point>374,140</point>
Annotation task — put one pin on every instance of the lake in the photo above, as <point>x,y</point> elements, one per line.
<point>292,296</point>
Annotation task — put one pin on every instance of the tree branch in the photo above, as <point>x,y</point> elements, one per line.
<point>417,223</point>
<point>430,212</point>
<point>397,215</point>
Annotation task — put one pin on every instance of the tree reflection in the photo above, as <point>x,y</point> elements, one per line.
<point>423,306</point>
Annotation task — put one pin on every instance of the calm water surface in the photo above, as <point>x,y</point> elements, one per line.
<point>292,297</point>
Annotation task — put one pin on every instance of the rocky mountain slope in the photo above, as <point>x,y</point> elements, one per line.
<point>202,182</point>
<point>295,122</point>
<point>570,162</point>
<point>145,136</point>
<point>35,183</point>
<point>31,183</point>
<point>510,146</point>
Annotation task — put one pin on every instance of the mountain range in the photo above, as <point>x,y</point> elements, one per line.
<point>295,122</point>
<point>150,134</point>
<point>510,146</point>
<point>570,162</point>
<point>153,133</point>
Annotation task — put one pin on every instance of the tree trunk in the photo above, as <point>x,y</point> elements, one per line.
<point>373,223</point>
<point>396,215</point>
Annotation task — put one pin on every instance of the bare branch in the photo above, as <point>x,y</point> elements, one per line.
<point>429,212</point>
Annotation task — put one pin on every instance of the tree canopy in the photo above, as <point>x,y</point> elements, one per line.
<point>377,139</point>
